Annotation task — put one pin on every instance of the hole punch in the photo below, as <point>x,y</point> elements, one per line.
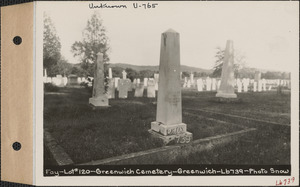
<point>17,40</point>
<point>16,146</point>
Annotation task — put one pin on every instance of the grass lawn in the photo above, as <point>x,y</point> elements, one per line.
<point>270,144</point>
<point>87,134</point>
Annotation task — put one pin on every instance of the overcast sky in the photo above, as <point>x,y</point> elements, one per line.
<point>267,33</point>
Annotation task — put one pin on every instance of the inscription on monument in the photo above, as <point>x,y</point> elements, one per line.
<point>174,131</point>
<point>183,139</point>
<point>174,98</point>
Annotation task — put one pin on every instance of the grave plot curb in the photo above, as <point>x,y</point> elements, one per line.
<point>58,153</point>
<point>256,121</point>
<point>169,154</point>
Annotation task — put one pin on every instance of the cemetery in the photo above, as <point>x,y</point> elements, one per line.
<point>167,115</point>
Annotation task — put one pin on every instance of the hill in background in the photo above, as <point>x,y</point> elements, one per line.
<point>137,71</point>
<point>156,68</point>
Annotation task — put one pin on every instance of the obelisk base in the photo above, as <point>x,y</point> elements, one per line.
<point>100,101</point>
<point>171,134</point>
<point>226,98</point>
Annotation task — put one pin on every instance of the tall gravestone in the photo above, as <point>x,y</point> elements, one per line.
<point>110,73</point>
<point>168,125</point>
<point>99,97</point>
<point>259,85</point>
<point>139,90</point>
<point>65,81</point>
<point>185,82</point>
<point>199,85</point>
<point>134,84</point>
<point>239,85</point>
<point>227,78</point>
<point>213,84</point>
<point>111,89</point>
<point>60,80</point>
<point>218,84</point>
<point>156,78</point>
<point>151,88</point>
<point>254,86</point>
<point>245,84</point>
<point>257,76</point>
<point>145,82</point>
<point>117,82</point>
<point>123,88</point>
<point>189,83</point>
<point>124,74</point>
<point>45,76</point>
<point>264,85</point>
<point>192,78</point>
<point>129,85</point>
<point>208,84</point>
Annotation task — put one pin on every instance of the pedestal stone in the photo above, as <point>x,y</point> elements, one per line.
<point>182,138</point>
<point>227,78</point>
<point>168,125</point>
<point>99,101</point>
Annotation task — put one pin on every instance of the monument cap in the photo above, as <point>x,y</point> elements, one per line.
<point>170,31</point>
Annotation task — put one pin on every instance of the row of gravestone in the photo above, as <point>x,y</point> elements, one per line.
<point>125,85</point>
<point>202,84</point>
<point>212,84</point>
<point>61,81</point>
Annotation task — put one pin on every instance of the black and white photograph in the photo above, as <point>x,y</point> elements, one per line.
<point>168,89</point>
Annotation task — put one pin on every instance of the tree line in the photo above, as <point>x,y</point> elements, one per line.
<point>94,40</point>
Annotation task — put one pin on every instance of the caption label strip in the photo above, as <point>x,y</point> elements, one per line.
<point>167,170</point>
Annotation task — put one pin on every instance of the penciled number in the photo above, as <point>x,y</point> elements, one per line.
<point>286,181</point>
<point>145,5</point>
